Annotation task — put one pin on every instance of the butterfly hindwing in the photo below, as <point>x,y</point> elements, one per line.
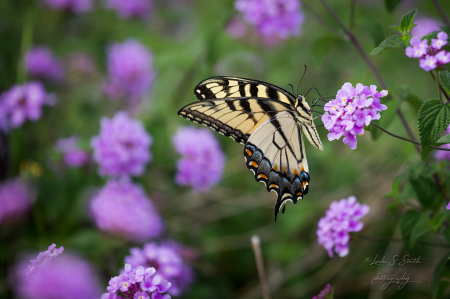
<point>275,153</point>
<point>232,87</point>
<point>237,118</point>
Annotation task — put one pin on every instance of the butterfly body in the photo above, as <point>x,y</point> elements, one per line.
<point>269,121</point>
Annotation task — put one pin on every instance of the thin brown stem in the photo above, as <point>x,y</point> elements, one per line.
<point>441,88</point>
<point>377,239</point>
<point>441,12</point>
<point>256,245</point>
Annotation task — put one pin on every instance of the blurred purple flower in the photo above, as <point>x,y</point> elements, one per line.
<point>425,26</point>
<point>41,63</point>
<point>15,199</point>
<point>351,110</point>
<point>81,63</point>
<point>202,159</point>
<point>137,283</point>
<point>444,155</point>
<point>130,69</point>
<point>341,218</point>
<point>281,18</point>
<point>43,259</point>
<point>131,8</point>
<point>76,6</point>
<point>67,277</point>
<point>122,147</point>
<point>237,28</point>
<point>22,102</point>
<point>169,262</point>
<point>326,293</point>
<point>73,155</point>
<point>431,56</point>
<point>124,209</point>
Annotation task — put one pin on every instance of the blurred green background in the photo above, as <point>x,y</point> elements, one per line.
<point>189,43</point>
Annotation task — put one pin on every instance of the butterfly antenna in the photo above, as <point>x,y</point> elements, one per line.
<point>292,87</point>
<point>301,79</point>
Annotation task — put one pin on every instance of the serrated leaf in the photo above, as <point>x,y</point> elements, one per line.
<point>424,153</point>
<point>395,27</point>
<point>425,189</point>
<point>392,42</point>
<point>407,22</point>
<point>429,36</point>
<point>391,4</point>
<point>444,140</point>
<point>433,119</point>
<point>413,225</point>
<point>444,78</point>
<point>441,270</point>
<point>438,219</point>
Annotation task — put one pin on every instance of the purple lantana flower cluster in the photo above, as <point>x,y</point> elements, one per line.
<point>72,154</point>
<point>326,293</point>
<point>202,159</point>
<point>15,199</point>
<point>167,258</point>
<point>138,283</point>
<point>280,18</point>
<point>130,68</point>
<point>76,6</point>
<point>131,8</point>
<point>124,209</point>
<point>341,218</point>
<point>44,258</point>
<point>41,63</point>
<point>22,103</point>
<point>431,56</point>
<point>351,110</point>
<point>122,147</point>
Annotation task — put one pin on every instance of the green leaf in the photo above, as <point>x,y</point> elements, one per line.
<point>387,117</point>
<point>438,219</point>
<point>424,153</point>
<point>391,4</point>
<point>392,42</point>
<point>425,189</point>
<point>429,36</point>
<point>433,119</point>
<point>444,78</point>
<point>444,140</point>
<point>413,225</point>
<point>395,27</point>
<point>441,273</point>
<point>407,22</point>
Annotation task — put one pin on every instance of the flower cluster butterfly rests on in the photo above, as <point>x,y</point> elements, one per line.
<point>269,121</point>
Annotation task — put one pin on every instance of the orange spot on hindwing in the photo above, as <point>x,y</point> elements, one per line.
<point>254,164</point>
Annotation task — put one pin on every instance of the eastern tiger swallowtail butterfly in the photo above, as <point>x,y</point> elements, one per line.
<point>269,121</point>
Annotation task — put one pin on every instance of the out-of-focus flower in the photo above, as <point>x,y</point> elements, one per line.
<point>137,283</point>
<point>237,28</point>
<point>15,199</point>
<point>76,6</point>
<point>431,56</point>
<point>326,293</point>
<point>131,8</point>
<point>67,277</point>
<point>444,155</point>
<point>41,63</point>
<point>341,218</point>
<point>281,18</point>
<point>22,102</point>
<point>124,209</point>
<point>130,69</point>
<point>351,110</point>
<point>81,63</point>
<point>425,26</point>
<point>202,159</point>
<point>122,148</point>
<point>73,155</point>
<point>167,259</point>
<point>44,258</point>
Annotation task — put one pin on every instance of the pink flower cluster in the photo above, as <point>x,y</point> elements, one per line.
<point>40,62</point>
<point>351,110</point>
<point>326,293</point>
<point>431,56</point>
<point>15,200</point>
<point>341,218</point>
<point>131,8</point>
<point>73,155</point>
<point>44,258</point>
<point>138,283</point>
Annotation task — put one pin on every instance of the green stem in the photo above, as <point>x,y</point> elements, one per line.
<point>26,42</point>
<point>437,85</point>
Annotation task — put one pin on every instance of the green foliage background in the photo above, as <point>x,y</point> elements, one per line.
<point>189,43</point>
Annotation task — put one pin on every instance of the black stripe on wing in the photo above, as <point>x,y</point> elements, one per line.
<point>230,87</point>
